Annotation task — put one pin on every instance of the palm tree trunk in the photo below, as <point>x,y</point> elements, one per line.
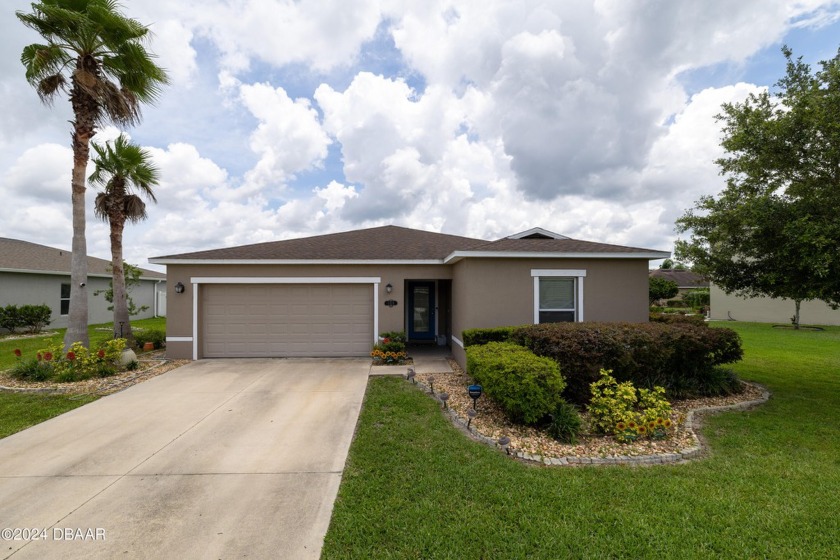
<point>122,323</point>
<point>77,320</point>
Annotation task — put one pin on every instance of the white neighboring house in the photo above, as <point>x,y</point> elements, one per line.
<point>769,310</point>
<point>32,274</point>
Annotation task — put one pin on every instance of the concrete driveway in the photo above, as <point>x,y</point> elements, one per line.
<point>216,459</point>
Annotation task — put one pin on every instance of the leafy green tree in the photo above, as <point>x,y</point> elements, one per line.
<point>669,264</point>
<point>122,167</point>
<point>132,278</point>
<point>661,288</point>
<point>97,53</point>
<point>774,230</point>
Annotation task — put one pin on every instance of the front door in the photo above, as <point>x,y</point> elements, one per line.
<point>421,311</point>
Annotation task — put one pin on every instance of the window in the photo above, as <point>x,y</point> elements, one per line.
<point>65,299</point>
<point>558,295</point>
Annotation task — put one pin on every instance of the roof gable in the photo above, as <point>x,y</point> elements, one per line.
<point>24,256</point>
<point>537,233</point>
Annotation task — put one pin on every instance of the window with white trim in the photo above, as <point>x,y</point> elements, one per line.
<point>64,301</point>
<point>558,295</point>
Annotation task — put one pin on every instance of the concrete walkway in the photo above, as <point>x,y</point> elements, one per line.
<point>217,459</point>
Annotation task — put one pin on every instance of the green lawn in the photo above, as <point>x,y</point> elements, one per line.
<point>98,333</point>
<point>414,487</point>
<point>18,411</point>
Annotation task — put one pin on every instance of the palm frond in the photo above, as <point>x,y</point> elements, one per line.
<point>102,206</point>
<point>134,209</point>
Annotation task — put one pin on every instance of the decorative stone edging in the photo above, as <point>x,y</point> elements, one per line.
<point>693,422</point>
<point>69,390</point>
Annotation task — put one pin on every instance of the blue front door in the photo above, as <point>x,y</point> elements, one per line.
<point>421,310</point>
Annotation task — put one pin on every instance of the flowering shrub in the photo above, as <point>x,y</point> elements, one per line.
<point>76,364</point>
<point>629,413</point>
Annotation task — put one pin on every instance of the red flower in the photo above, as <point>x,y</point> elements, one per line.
<point>71,355</point>
<point>17,352</point>
<point>39,356</point>
<point>386,340</point>
<point>48,356</point>
<point>101,354</point>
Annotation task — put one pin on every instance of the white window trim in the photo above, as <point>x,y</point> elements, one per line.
<point>196,281</point>
<point>579,275</point>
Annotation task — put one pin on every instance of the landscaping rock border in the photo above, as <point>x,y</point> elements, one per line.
<point>693,423</point>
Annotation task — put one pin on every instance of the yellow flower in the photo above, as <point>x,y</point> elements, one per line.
<point>660,421</point>
<point>621,426</point>
<point>667,422</point>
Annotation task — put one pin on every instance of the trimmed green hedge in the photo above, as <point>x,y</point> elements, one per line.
<point>678,319</point>
<point>473,337</point>
<point>527,387</point>
<point>31,318</point>
<point>155,336</point>
<point>680,357</point>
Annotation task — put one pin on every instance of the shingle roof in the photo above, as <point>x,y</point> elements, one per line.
<point>25,256</point>
<point>683,278</point>
<point>392,243</point>
<point>379,243</point>
<point>555,246</point>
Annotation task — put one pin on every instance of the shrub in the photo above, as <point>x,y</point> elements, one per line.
<point>678,357</point>
<point>76,364</point>
<point>526,386</point>
<point>671,319</point>
<point>394,336</point>
<point>30,370</point>
<point>676,303</point>
<point>155,336</point>
<point>564,425</point>
<point>34,317</point>
<point>661,288</point>
<point>629,413</point>
<point>10,318</point>
<point>697,298</point>
<point>473,337</point>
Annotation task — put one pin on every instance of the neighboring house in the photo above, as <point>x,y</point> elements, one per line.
<point>36,274</point>
<point>685,279</point>
<point>769,310</point>
<point>331,295</point>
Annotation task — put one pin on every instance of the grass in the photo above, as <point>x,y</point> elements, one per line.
<point>19,411</point>
<point>414,487</point>
<point>98,333</point>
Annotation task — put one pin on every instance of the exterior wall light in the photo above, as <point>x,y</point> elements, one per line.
<point>389,288</point>
<point>179,288</point>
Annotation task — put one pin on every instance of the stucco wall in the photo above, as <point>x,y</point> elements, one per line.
<point>179,324</point>
<point>499,292</point>
<point>36,289</point>
<point>768,310</point>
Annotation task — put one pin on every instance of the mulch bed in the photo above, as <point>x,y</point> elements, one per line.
<point>151,365</point>
<point>492,423</point>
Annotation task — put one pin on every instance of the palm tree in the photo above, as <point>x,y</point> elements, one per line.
<point>120,167</point>
<point>97,53</point>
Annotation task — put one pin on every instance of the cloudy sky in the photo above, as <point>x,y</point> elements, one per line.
<point>594,119</point>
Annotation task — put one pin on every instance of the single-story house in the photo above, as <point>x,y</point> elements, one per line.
<point>686,280</point>
<point>32,274</point>
<point>332,295</point>
<point>729,307</point>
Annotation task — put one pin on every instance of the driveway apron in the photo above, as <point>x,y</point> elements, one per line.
<point>216,459</point>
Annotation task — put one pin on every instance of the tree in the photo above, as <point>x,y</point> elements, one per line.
<point>774,229</point>
<point>132,278</point>
<point>97,52</point>
<point>668,264</point>
<point>120,168</point>
<point>661,288</point>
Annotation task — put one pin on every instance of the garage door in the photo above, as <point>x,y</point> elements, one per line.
<point>280,320</point>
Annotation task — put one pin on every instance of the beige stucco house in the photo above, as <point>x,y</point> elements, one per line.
<point>331,295</point>
<point>729,307</point>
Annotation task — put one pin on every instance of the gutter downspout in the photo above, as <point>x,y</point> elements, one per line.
<point>156,297</point>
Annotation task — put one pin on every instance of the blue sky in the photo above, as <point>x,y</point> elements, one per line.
<point>478,118</point>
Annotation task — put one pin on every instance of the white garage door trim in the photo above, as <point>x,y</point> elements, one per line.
<point>197,281</point>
